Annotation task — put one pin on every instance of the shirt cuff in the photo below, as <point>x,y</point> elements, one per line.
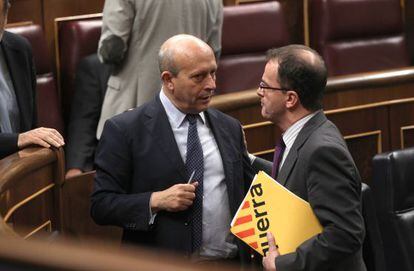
<point>152,216</point>
<point>251,157</point>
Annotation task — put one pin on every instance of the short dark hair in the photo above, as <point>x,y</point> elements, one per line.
<point>305,75</point>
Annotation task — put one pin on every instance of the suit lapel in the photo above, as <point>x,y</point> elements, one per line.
<point>287,166</point>
<point>15,61</point>
<point>221,135</point>
<point>303,135</point>
<point>160,129</point>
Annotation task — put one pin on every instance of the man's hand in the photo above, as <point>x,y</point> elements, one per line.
<point>178,197</point>
<point>269,260</point>
<point>73,172</point>
<point>44,137</point>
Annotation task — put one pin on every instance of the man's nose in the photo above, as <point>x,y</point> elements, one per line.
<point>260,92</point>
<point>211,81</point>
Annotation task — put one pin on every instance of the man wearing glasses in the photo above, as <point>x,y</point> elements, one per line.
<point>313,162</point>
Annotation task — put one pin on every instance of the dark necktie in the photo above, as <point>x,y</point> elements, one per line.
<point>195,163</point>
<point>277,158</point>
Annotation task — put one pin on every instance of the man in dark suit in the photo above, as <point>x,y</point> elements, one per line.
<point>90,87</point>
<point>18,95</point>
<point>313,162</point>
<point>173,171</point>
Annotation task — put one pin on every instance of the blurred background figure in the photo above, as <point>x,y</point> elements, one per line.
<point>90,87</point>
<point>132,33</point>
<point>18,115</point>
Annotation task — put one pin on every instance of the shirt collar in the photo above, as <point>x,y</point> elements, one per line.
<point>175,116</point>
<point>292,132</point>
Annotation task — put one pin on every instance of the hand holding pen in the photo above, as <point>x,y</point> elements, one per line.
<point>178,197</point>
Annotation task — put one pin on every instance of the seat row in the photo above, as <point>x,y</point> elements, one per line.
<point>388,210</point>
<point>348,34</point>
<point>347,48</point>
<point>35,201</point>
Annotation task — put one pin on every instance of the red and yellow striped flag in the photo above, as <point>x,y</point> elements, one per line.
<point>268,206</point>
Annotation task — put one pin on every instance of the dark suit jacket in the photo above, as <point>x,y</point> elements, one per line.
<point>320,170</point>
<point>18,56</point>
<point>137,154</point>
<point>91,82</point>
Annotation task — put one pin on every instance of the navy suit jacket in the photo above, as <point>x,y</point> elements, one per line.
<point>137,154</point>
<point>18,56</point>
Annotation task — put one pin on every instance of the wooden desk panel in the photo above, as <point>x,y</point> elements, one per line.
<point>402,125</point>
<point>366,132</point>
<point>77,222</point>
<point>32,200</point>
<point>368,88</point>
<point>26,10</point>
<point>30,183</point>
<point>370,109</point>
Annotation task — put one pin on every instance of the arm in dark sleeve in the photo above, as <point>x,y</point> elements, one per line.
<point>30,76</point>
<point>334,194</point>
<point>34,92</point>
<point>248,170</point>
<point>8,144</point>
<point>262,164</point>
<point>8,141</point>
<point>112,204</point>
<point>118,18</point>
<point>84,117</point>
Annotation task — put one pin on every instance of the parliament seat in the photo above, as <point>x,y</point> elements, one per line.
<point>76,202</point>
<point>393,190</point>
<point>243,52</point>
<point>373,249</point>
<point>248,32</point>
<point>76,37</point>
<point>36,200</point>
<point>355,36</point>
<point>48,103</point>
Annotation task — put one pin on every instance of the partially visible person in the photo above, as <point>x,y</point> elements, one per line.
<point>90,87</point>
<point>132,33</point>
<point>173,172</point>
<point>18,114</point>
<point>313,161</point>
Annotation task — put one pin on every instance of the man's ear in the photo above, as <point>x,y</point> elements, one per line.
<point>166,78</point>
<point>292,99</point>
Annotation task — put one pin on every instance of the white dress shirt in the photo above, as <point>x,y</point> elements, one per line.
<point>217,241</point>
<point>290,135</point>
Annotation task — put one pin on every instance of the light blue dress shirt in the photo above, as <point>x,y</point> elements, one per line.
<point>218,242</point>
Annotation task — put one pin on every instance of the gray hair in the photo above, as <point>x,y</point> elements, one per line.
<point>166,61</point>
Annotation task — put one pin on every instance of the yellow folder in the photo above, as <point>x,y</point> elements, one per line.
<point>269,206</point>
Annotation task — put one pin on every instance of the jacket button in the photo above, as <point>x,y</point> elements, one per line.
<point>186,223</point>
